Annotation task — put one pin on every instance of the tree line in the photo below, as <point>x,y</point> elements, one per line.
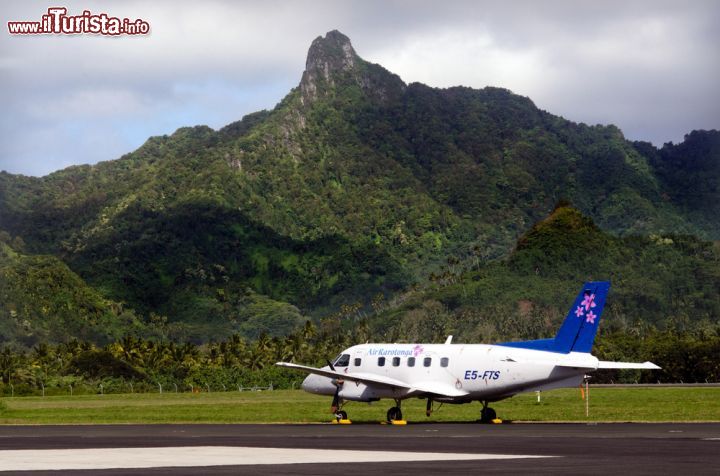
<point>133,364</point>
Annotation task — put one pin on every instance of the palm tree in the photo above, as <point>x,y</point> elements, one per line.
<point>292,348</point>
<point>261,353</point>
<point>238,348</point>
<point>308,331</point>
<point>9,363</point>
<point>128,349</point>
<point>44,357</point>
<point>155,356</point>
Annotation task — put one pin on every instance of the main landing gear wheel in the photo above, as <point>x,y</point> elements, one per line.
<point>341,415</point>
<point>394,414</point>
<point>487,415</point>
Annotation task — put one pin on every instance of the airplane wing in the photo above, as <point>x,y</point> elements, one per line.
<point>434,388</point>
<point>605,364</point>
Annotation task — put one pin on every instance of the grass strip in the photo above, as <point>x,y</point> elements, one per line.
<point>295,406</point>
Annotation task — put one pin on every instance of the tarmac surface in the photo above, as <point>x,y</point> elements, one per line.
<point>422,448</point>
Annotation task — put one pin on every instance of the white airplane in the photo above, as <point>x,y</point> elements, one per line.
<point>462,373</point>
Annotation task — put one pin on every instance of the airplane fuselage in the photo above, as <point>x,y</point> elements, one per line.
<point>454,373</point>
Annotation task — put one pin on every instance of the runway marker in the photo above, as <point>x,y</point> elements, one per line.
<point>198,456</point>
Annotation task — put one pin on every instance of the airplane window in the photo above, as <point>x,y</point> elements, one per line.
<point>396,361</point>
<point>411,361</point>
<point>444,362</point>
<point>343,360</point>
<point>381,361</point>
<point>427,361</point>
<point>358,361</point>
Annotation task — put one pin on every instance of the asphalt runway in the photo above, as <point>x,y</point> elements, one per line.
<point>467,448</point>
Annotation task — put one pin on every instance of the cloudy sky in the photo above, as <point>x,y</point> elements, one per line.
<point>650,67</point>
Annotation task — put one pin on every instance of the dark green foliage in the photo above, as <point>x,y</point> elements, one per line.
<point>566,239</point>
<point>243,126</point>
<point>210,267</point>
<point>98,364</point>
<point>684,357</point>
<point>689,174</point>
<point>41,300</point>
<point>658,282</point>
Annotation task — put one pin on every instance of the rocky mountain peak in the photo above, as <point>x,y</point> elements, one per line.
<point>330,54</point>
<point>332,59</point>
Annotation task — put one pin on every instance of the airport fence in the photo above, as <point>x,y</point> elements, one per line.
<point>102,388</point>
<point>78,388</point>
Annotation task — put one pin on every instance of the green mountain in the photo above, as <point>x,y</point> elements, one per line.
<point>354,187</point>
<point>688,173</point>
<point>44,301</point>
<point>669,283</point>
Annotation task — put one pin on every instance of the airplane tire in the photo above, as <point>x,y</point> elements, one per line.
<point>394,414</point>
<point>341,415</point>
<point>487,415</point>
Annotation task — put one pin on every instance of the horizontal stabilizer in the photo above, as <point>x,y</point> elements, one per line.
<point>605,364</point>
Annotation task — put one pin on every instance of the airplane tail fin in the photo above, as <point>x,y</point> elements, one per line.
<point>577,332</point>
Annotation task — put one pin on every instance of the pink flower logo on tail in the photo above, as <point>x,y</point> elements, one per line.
<point>589,301</point>
<point>579,311</point>
<point>590,317</point>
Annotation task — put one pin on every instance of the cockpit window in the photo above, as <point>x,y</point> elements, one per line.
<point>342,360</point>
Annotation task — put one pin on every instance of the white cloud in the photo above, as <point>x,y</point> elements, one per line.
<point>87,103</point>
<point>442,58</point>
